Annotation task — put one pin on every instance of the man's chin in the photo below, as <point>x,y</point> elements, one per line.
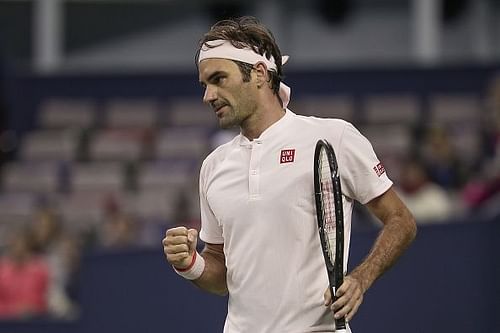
<point>226,123</point>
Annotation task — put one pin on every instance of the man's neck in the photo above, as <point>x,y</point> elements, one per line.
<point>262,119</point>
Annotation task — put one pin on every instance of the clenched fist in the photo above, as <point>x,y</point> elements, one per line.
<point>179,246</point>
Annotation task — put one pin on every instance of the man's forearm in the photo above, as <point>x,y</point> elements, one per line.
<point>213,278</point>
<point>395,237</point>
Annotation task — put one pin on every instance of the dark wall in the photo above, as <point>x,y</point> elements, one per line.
<point>449,281</point>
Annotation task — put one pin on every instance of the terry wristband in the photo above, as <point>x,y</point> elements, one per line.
<point>195,268</point>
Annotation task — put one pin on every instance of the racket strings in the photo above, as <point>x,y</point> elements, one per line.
<point>328,204</point>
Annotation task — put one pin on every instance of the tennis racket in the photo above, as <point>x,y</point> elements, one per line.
<point>330,215</point>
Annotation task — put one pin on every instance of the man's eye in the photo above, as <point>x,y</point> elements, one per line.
<point>218,79</point>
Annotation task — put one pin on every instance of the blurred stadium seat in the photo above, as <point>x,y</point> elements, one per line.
<point>54,144</point>
<point>130,144</point>
<point>384,109</point>
<point>17,207</point>
<point>155,204</point>
<point>389,139</point>
<point>449,109</point>
<point>67,113</point>
<point>36,177</point>
<point>324,106</point>
<point>129,112</point>
<point>182,143</point>
<point>107,177</point>
<point>85,210</point>
<point>190,112</point>
<point>165,174</point>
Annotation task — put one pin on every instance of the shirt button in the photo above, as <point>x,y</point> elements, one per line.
<point>254,172</point>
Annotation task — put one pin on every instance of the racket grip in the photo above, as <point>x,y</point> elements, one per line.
<point>340,325</point>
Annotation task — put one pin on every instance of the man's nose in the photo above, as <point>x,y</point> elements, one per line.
<point>210,95</point>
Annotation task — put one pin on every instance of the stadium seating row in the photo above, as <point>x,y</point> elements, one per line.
<point>408,109</point>
<point>145,153</point>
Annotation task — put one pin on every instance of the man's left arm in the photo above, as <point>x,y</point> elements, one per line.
<point>399,230</point>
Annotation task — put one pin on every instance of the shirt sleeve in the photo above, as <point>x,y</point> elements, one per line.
<point>363,175</point>
<point>211,230</point>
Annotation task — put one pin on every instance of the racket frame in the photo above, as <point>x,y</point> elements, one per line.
<point>335,270</point>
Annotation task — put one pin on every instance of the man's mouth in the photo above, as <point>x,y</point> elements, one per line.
<point>218,108</point>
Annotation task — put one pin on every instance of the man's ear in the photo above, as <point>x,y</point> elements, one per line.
<point>261,74</point>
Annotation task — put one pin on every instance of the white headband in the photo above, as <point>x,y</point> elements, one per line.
<point>223,49</point>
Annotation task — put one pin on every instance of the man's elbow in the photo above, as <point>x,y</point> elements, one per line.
<point>222,292</point>
<point>219,291</point>
<point>411,228</point>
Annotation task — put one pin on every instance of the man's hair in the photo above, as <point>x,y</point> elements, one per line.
<point>247,32</point>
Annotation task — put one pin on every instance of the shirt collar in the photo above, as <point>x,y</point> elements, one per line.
<point>269,132</point>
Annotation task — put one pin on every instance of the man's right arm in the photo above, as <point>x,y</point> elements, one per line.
<point>179,246</point>
<point>213,278</point>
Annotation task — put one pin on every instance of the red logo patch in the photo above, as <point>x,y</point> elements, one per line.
<point>287,156</point>
<point>379,169</point>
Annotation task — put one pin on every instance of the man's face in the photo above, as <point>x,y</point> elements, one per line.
<point>225,92</point>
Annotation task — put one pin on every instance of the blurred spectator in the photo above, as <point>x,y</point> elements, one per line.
<point>3,116</point>
<point>47,230</point>
<point>492,121</point>
<point>119,229</point>
<point>492,127</point>
<point>62,253</point>
<point>428,201</point>
<point>24,279</point>
<point>183,215</point>
<point>8,138</point>
<point>441,160</point>
<point>484,186</point>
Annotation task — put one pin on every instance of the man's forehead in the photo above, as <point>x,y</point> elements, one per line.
<point>209,66</point>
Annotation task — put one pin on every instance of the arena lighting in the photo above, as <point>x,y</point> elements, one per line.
<point>334,11</point>
<point>224,10</point>
<point>453,9</point>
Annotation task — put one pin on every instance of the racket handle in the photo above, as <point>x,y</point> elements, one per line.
<point>340,325</point>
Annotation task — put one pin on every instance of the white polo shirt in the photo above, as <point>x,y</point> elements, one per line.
<point>257,198</point>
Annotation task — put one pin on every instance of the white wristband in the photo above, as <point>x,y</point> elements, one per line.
<point>194,270</point>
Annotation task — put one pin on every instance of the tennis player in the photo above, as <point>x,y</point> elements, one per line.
<point>258,218</point>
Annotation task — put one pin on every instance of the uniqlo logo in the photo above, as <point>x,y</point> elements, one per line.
<point>287,155</point>
<point>379,169</point>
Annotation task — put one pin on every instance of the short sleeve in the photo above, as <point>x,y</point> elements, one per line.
<point>211,231</point>
<point>363,175</point>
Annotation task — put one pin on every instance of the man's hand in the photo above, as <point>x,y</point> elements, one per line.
<point>179,246</point>
<point>349,298</point>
